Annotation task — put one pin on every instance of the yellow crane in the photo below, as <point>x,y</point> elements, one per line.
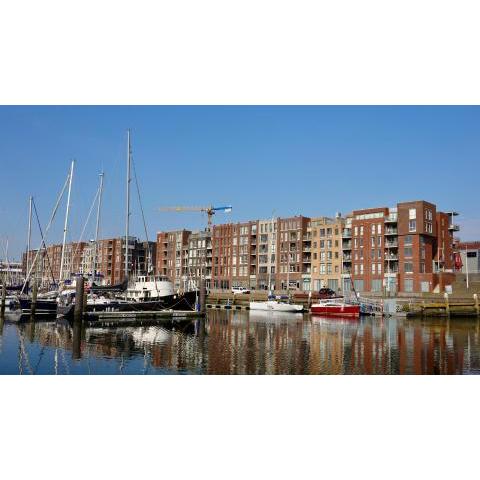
<point>210,211</point>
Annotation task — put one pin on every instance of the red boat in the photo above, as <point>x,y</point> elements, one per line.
<point>332,308</point>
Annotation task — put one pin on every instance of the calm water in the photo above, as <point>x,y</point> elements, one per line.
<point>240,342</point>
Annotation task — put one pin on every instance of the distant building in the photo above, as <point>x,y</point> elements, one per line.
<point>470,256</point>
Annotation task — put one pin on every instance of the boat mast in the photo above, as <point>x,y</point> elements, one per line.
<point>66,219</point>
<point>29,234</point>
<point>127,219</point>
<point>99,206</point>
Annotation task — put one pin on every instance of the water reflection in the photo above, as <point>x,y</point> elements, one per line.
<point>245,343</point>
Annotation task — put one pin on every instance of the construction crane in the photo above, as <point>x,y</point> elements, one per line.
<point>210,211</point>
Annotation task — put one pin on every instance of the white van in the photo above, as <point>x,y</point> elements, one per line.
<point>239,290</point>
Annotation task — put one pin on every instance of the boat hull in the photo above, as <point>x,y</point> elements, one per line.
<point>336,310</point>
<point>185,301</point>
<point>43,307</point>
<point>276,307</point>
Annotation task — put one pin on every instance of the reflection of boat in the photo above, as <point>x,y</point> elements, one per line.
<point>335,308</point>
<point>276,305</point>
<point>274,316</point>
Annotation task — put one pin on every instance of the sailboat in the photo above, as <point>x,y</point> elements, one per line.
<point>160,297</point>
<point>46,304</point>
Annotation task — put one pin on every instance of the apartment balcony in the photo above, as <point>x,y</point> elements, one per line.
<point>307,271</point>
<point>392,218</point>
<point>391,271</point>
<point>346,245</point>
<point>307,237</point>
<point>454,228</point>
<point>347,233</point>
<point>347,258</point>
<point>391,258</point>
<point>307,249</point>
<point>306,260</point>
<point>391,231</point>
<point>391,244</point>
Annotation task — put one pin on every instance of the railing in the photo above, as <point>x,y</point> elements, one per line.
<point>391,244</point>
<point>346,245</point>
<point>347,258</point>
<point>391,231</point>
<point>347,233</point>
<point>391,218</point>
<point>391,257</point>
<point>307,259</point>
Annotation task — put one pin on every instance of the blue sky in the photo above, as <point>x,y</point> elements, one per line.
<point>290,160</point>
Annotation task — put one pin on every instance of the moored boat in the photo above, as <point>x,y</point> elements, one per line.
<point>335,308</point>
<point>276,305</point>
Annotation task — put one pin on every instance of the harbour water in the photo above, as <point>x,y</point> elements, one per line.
<point>242,342</point>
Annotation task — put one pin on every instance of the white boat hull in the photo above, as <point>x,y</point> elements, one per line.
<point>275,306</point>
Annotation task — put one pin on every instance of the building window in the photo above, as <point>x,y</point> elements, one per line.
<point>373,268</point>
<point>379,229</point>
<point>376,285</point>
<point>358,284</point>
<point>373,229</point>
<point>412,213</point>
<point>379,268</point>
<point>361,269</point>
<point>408,240</point>
<point>355,231</point>
<point>412,226</point>
<point>408,285</point>
<point>408,267</point>
<point>408,252</point>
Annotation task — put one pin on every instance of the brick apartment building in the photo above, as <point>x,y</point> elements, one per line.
<point>326,255</point>
<point>199,258</point>
<point>172,256</point>
<point>78,258</point>
<point>404,249</point>
<point>234,255</point>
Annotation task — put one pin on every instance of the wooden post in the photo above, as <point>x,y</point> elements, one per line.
<point>33,304</point>
<point>475,297</point>
<point>4,297</point>
<point>447,304</point>
<point>78,310</point>
<point>202,296</point>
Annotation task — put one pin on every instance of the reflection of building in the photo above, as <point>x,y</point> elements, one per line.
<point>239,342</point>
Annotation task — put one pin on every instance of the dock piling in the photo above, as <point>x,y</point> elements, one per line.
<point>475,297</point>
<point>79,309</point>
<point>447,305</point>
<point>203,296</point>
<point>33,306</point>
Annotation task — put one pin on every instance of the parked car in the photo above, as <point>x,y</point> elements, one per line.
<point>240,290</point>
<point>326,293</point>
